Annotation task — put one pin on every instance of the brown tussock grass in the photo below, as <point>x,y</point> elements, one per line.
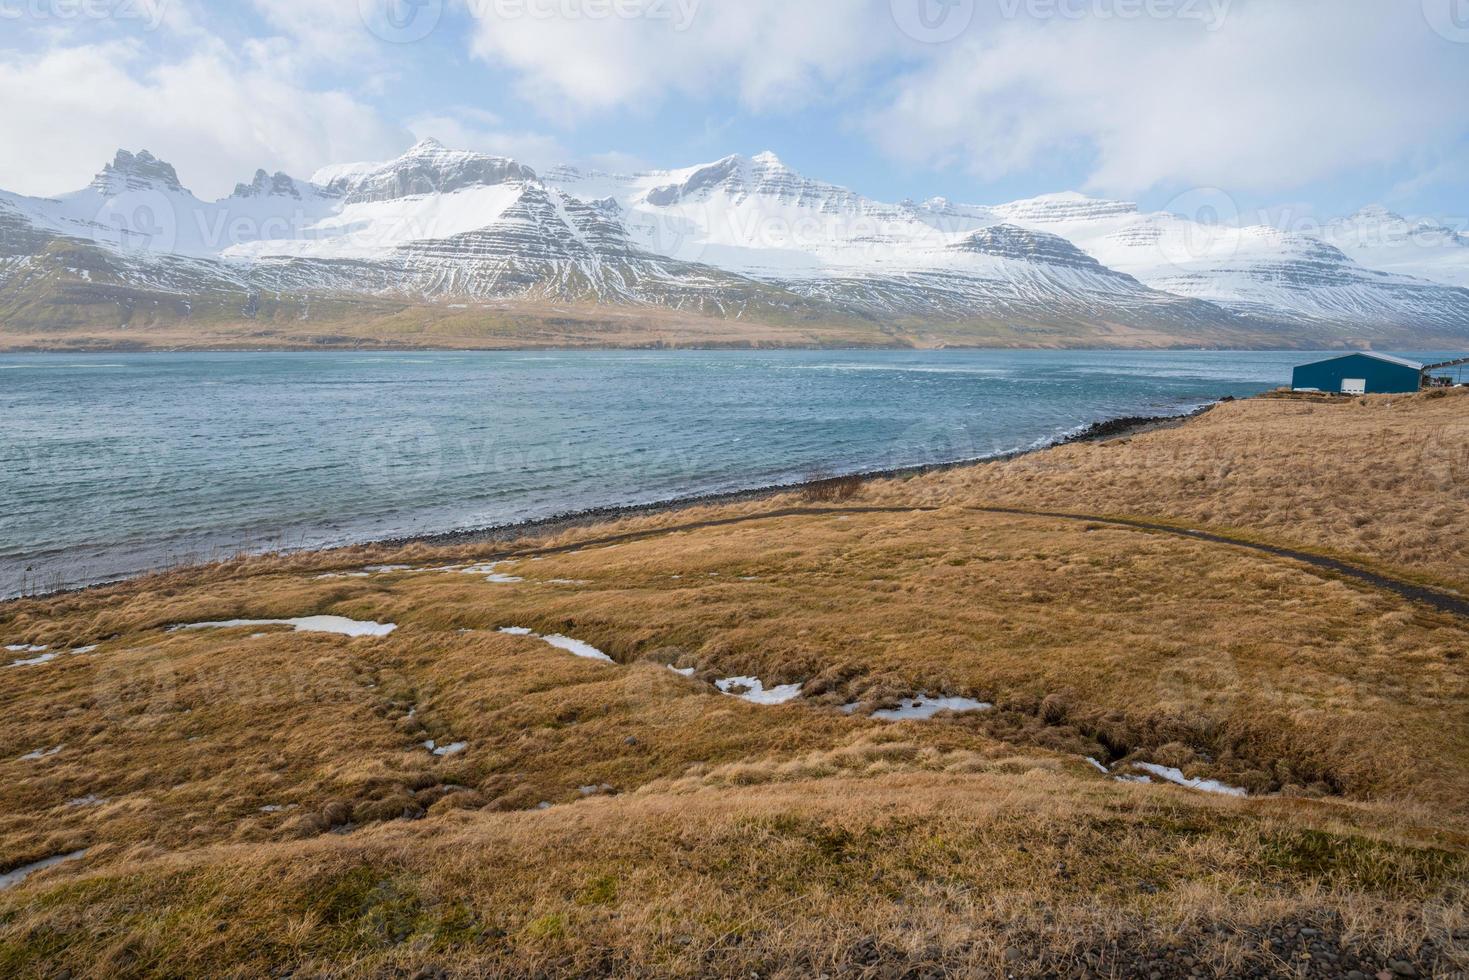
<point>933,871</point>
<point>1385,477</point>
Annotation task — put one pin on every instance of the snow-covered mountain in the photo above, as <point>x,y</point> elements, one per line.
<point>739,238</point>
<point>1380,239</point>
<point>1256,270</point>
<point>760,219</point>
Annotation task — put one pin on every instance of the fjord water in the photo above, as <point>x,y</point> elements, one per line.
<point>112,464</point>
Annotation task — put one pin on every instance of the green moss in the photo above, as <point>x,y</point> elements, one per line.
<point>1360,861</point>
<point>601,890</point>
<point>551,926</point>
<point>369,908</point>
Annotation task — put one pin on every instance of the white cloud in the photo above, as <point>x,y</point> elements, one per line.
<point>1241,93</point>
<point>576,57</point>
<point>618,162</point>
<point>1278,96</point>
<point>213,114</point>
<point>320,31</point>
<point>1275,96</point>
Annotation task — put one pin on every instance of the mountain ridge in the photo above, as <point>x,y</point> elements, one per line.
<point>745,239</point>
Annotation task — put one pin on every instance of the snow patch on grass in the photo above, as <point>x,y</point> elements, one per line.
<point>492,574</point>
<point>1202,785</point>
<point>339,625</point>
<point>753,690</point>
<point>40,754</point>
<point>44,658</point>
<point>15,876</point>
<point>575,647</point>
<point>372,570</point>
<point>923,708</point>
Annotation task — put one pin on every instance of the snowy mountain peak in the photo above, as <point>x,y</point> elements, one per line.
<point>702,180</point>
<point>1377,223</point>
<point>745,233</point>
<point>136,172</point>
<point>943,208</point>
<point>427,168</point>
<point>1013,242</point>
<point>268,185</point>
<point>1066,206</point>
<point>1419,247</point>
<point>742,179</point>
<point>1376,212</point>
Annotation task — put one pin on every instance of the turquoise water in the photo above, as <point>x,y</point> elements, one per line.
<point>112,464</point>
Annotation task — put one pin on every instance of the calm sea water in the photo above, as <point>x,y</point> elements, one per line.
<point>112,464</point>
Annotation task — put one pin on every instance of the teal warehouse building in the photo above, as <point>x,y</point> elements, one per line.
<point>1362,373</point>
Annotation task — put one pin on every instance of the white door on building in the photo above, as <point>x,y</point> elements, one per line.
<point>1354,386</point>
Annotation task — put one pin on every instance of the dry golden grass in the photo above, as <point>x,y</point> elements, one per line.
<point>498,326</point>
<point>907,872</point>
<point>1384,477</point>
<point>779,320</point>
<point>690,833</point>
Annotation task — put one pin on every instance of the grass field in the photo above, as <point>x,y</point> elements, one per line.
<point>254,800</point>
<point>1384,478</point>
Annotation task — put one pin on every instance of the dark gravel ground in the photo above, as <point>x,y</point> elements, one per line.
<point>1293,949</point>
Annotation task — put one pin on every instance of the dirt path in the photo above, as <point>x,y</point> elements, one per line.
<point>1440,599</point>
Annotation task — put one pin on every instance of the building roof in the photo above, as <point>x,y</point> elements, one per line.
<point>1399,361</point>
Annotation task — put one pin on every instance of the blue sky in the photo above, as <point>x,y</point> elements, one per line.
<point>1296,109</point>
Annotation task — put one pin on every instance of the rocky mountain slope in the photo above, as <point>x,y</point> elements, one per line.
<point>741,239</point>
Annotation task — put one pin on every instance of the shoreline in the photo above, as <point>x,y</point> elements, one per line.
<point>1100,431</point>
<point>733,347</point>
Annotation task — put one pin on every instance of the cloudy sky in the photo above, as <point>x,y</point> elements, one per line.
<point>1292,107</point>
